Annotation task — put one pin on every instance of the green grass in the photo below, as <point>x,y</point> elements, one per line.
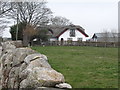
<point>84,67</point>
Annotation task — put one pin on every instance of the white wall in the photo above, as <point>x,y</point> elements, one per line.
<point>66,35</point>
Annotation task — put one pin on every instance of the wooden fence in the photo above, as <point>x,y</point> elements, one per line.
<point>77,43</point>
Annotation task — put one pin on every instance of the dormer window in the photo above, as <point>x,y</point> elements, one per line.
<point>72,32</point>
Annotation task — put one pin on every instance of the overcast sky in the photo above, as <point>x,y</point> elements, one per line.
<point>93,15</point>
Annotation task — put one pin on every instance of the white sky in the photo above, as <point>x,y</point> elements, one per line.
<point>92,15</point>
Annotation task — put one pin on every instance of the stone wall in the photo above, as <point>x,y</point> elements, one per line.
<point>25,68</point>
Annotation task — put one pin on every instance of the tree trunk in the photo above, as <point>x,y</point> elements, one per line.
<point>25,40</point>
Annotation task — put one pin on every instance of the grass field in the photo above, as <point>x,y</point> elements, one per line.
<point>84,67</point>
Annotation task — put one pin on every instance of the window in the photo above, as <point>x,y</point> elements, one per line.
<point>72,32</point>
<point>79,39</point>
<point>69,39</point>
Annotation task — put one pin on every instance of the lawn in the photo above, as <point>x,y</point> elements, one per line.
<point>84,67</point>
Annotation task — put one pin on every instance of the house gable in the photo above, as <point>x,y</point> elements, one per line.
<point>65,35</point>
<point>81,31</point>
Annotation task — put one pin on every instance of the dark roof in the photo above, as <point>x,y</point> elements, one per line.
<point>106,35</point>
<point>58,30</point>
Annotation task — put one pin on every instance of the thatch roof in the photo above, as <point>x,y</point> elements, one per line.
<point>58,30</point>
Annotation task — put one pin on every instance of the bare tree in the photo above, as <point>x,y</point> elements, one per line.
<point>34,13</point>
<point>31,13</point>
<point>114,35</point>
<point>60,21</point>
<point>105,35</point>
<point>110,36</point>
<point>5,7</point>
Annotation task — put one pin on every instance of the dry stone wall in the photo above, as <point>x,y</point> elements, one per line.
<point>22,67</point>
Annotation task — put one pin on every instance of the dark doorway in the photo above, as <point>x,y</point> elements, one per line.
<point>62,40</point>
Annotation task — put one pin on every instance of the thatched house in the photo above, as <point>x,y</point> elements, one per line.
<point>65,33</point>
